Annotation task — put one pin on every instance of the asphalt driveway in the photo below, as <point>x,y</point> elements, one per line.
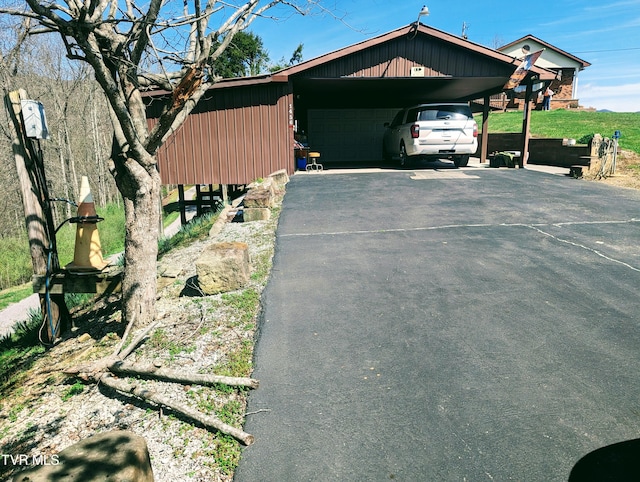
<point>440,324</point>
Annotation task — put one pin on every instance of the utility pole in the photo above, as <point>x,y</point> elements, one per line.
<point>38,215</point>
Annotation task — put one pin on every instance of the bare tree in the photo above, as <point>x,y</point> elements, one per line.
<point>132,47</point>
<point>13,36</point>
<point>78,121</point>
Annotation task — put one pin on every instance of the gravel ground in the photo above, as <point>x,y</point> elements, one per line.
<point>196,334</point>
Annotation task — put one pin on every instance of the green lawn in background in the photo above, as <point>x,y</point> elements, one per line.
<point>15,260</point>
<point>15,294</point>
<point>571,124</point>
<point>15,257</point>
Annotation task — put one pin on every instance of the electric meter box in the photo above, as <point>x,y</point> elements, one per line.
<point>35,122</point>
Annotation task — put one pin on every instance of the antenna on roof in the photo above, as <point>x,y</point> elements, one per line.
<point>465,27</point>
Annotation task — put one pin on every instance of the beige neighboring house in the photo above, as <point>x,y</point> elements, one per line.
<point>568,66</point>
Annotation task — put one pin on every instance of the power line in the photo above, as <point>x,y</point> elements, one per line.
<point>610,50</point>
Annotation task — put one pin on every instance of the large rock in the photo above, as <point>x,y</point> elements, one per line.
<point>267,193</point>
<point>256,214</point>
<point>280,178</point>
<point>262,195</point>
<point>223,267</point>
<point>117,456</point>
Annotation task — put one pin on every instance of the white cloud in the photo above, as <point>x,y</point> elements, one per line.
<point>613,6</point>
<point>618,98</point>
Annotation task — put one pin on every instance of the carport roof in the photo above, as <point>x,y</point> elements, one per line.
<point>413,30</point>
<point>353,91</point>
<point>311,81</point>
<point>395,91</point>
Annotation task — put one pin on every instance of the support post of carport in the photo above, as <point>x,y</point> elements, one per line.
<point>484,141</point>
<point>182,205</point>
<point>526,121</point>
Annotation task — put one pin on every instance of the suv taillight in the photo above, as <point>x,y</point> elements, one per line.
<point>415,131</point>
<point>475,130</point>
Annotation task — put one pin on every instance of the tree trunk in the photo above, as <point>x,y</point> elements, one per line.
<point>76,186</point>
<point>97,151</point>
<point>140,190</point>
<point>63,173</point>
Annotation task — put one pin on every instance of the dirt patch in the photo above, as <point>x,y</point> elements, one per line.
<point>627,173</point>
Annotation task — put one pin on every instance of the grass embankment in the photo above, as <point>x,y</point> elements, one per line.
<point>572,125</point>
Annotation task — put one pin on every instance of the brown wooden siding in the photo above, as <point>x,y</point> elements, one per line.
<point>395,59</point>
<point>234,136</point>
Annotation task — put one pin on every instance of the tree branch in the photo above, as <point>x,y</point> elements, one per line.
<point>156,371</point>
<point>122,354</point>
<point>141,32</point>
<point>208,421</point>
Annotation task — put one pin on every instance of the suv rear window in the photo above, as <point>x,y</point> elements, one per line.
<point>448,112</point>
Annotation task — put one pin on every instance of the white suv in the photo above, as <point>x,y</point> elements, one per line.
<point>441,131</point>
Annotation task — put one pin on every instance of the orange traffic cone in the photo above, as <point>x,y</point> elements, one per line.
<point>87,255</point>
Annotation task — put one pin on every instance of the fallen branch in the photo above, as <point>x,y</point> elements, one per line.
<point>156,371</point>
<point>202,320</point>
<point>92,369</point>
<point>101,371</point>
<point>137,340</point>
<point>208,421</point>
<point>125,336</point>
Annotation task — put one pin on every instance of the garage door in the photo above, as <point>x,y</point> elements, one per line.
<point>348,135</point>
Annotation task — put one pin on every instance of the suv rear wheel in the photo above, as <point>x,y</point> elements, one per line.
<point>404,159</point>
<point>461,161</point>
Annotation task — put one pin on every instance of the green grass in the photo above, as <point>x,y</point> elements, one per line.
<point>15,261</point>
<point>161,341</point>
<point>244,304</point>
<point>74,389</point>
<point>15,257</point>
<point>224,453</point>
<point>15,294</point>
<point>571,124</point>
<point>14,361</point>
<point>238,362</point>
<point>198,228</point>
<point>170,218</point>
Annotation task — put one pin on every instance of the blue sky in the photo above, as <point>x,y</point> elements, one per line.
<point>606,34</point>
